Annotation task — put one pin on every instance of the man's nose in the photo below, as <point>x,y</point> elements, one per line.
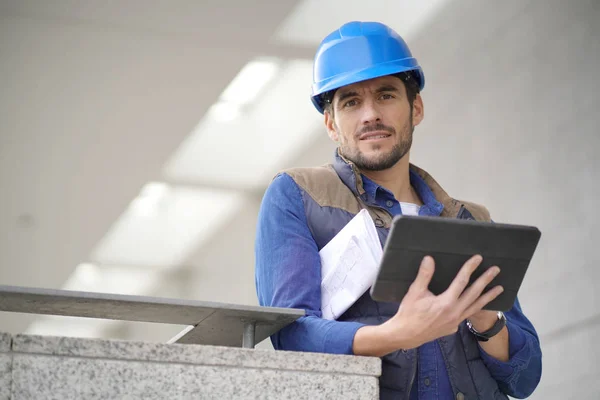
<point>370,113</point>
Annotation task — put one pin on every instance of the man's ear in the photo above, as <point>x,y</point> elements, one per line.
<point>330,125</point>
<point>418,111</point>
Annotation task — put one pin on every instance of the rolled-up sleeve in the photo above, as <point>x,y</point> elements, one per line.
<point>519,376</point>
<point>288,273</point>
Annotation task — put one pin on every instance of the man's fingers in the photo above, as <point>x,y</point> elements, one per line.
<point>424,276</point>
<point>482,301</point>
<point>475,290</point>
<point>461,280</point>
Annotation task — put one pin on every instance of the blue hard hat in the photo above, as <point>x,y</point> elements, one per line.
<point>359,51</point>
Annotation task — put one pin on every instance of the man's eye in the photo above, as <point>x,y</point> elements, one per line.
<point>350,103</point>
<point>386,96</point>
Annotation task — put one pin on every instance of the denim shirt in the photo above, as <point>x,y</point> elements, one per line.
<point>288,274</point>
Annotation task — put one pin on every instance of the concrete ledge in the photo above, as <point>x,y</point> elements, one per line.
<point>5,340</point>
<point>74,368</point>
<point>5,366</point>
<point>196,354</point>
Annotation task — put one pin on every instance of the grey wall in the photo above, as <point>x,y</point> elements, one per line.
<point>512,102</point>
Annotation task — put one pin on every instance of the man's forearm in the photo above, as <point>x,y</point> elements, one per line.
<point>374,341</point>
<point>377,341</point>
<point>496,346</point>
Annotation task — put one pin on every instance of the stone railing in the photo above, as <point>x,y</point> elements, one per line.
<point>204,361</point>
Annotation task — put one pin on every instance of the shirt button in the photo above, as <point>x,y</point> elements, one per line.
<point>427,382</point>
<point>389,203</point>
<point>460,396</point>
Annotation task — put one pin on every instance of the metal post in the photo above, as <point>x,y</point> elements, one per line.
<point>248,338</point>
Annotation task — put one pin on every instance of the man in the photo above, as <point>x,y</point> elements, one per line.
<point>367,85</point>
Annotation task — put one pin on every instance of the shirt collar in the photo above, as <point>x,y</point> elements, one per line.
<point>431,206</point>
<point>368,190</point>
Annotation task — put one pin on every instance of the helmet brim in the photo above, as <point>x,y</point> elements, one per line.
<point>376,71</point>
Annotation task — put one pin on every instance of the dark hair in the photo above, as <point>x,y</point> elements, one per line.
<point>409,78</point>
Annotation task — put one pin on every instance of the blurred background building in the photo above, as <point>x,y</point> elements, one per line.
<point>137,139</point>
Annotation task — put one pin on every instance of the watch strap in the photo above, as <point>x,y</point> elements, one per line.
<point>493,331</point>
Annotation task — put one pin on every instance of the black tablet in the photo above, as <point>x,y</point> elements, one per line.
<point>451,242</point>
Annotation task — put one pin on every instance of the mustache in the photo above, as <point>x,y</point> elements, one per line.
<point>376,127</point>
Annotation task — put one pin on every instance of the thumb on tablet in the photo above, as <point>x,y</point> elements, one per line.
<point>425,274</point>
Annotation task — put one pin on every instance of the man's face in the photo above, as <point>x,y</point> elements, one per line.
<point>373,122</point>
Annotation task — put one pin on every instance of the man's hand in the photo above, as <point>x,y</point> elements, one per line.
<point>423,316</point>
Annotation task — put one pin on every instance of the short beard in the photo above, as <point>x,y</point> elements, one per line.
<point>384,161</point>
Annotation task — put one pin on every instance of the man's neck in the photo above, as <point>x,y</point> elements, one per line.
<point>397,180</point>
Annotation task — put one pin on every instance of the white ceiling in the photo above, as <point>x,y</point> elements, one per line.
<point>312,20</point>
<point>96,98</point>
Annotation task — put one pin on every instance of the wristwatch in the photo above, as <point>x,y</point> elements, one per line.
<point>487,335</point>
